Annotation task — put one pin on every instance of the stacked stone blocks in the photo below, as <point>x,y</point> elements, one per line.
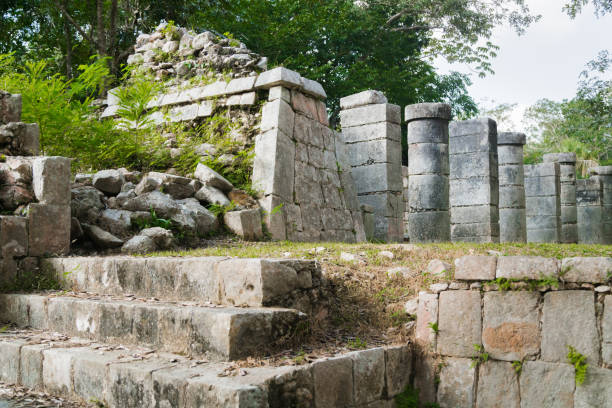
<point>512,221</point>
<point>567,178</point>
<point>372,135</point>
<point>543,205</point>
<point>307,191</point>
<point>534,328</point>
<point>589,203</point>
<point>474,184</point>
<point>428,170</point>
<point>604,175</point>
<point>406,194</point>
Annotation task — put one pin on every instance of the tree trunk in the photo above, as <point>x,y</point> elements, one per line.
<point>68,36</point>
<point>101,37</point>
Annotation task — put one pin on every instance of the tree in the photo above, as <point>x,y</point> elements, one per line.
<point>574,7</point>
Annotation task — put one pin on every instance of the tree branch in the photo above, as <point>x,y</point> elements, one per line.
<point>74,23</point>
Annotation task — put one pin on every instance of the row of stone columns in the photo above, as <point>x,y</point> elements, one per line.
<point>466,182</point>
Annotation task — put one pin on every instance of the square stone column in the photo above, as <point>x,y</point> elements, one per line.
<point>604,174</point>
<point>429,219</point>
<point>543,205</point>
<point>567,177</point>
<point>512,221</point>
<point>406,195</point>
<point>372,133</point>
<point>474,184</point>
<point>589,204</point>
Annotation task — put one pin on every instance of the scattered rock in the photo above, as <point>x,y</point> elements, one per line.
<point>602,289</point>
<point>438,268</point>
<point>139,244</point>
<point>402,271</point>
<point>411,306</point>
<point>211,178</point>
<point>438,287</point>
<point>108,181</point>
<point>386,254</point>
<point>101,238</point>
<point>162,237</point>
<point>212,195</point>
<point>246,224</point>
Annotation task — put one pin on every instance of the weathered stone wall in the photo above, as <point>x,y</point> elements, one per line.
<point>372,133</point>
<point>589,202</point>
<point>495,347</point>
<point>543,205</point>
<point>301,166</point>
<point>604,175</point>
<point>474,184</point>
<point>35,189</point>
<point>567,178</point>
<point>512,221</point>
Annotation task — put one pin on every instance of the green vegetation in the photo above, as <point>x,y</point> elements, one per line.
<point>153,221</point>
<point>480,356</point>
<point>518,367</point>
<point>504,284</point>
<point>357,344</point>
<point>434,327</point>
<point>579,362</point>
<point>409,398</point>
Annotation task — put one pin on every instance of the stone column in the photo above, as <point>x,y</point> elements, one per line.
<point>604,175</point>
<point>372,133</point>
<point>406,207</point>
<point>429,219</point>
<point>512,222</point>
<point>543,205</point>
<point>589,200</point>
<point>474,184</point>
<point>567,169</point>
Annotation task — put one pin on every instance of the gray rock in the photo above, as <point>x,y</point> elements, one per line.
<point>498,386</point>
<point>212,195</point>
<point>76,231</point>
<point>108,181</point>
<point>246,224</point>
<point>369,97</point>
<point>457,383</point>
<point>147,184</point>
<point>475,267</point>
<point>162,237</point>
<point>439,268</point>
<point>211,178</point>
<point>139,244</point>
<point>202,40</point>
<point>459,322</point>
<point>117,222</point>
<point>547,385</point>
<point>203,221</point>
<point>162,204</point>
<point>596,390</point>
<point>206,149</point>
<point>101,238</point>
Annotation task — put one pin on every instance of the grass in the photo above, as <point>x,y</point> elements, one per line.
<point>579,362</point>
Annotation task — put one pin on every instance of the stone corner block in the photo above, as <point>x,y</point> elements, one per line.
<point>368,375</point>
<point>589,270</point>
<point>427,313</point>
<point>49,229</point>
<point>51,180</point>
<point>246,224</point>
<point>278,77</point>
<point>511,138</point>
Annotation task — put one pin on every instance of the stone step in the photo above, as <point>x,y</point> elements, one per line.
<point>121,377</point>
<point>218,333</point>
<point>219,280</point>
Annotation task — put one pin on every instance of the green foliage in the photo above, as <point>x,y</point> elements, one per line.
<point>357,344</point>
<point>31,281</point>
<point>399,318</point>
<point>480,356</point>
<point>153,221</point>
<point>579,362</point>
<point>409,398</point>
<point>518,367</point>
<point>434,327</point>
<point>220,210</point>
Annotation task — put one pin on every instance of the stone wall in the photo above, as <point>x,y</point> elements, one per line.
<point>567,192</point>
<point>589,203</point>
<point>604,175</point>
<point>35,190</point>
<point>497,346</point>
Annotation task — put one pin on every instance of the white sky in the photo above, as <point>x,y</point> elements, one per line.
<point>545,62</point>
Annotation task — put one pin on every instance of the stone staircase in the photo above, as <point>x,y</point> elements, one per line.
<point>168,332</point>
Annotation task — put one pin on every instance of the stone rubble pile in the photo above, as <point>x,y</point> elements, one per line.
<point>16,138</point>
<point>117,208</point>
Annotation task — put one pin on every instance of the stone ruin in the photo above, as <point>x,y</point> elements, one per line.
<point>162,331</point>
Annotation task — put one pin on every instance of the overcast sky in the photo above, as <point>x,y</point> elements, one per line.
<point>545,62</point>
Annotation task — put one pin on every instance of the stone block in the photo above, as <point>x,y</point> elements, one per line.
<point>474,214</point>
<point>559,158</point>
<point>274,216</point>
<point>372,131</point>
<point>544,222</point>
<point>398,366</point>
<point>526,267</point>
<point>108,181</point>
<point>512,225</point>
<point>476,232</point>
<point>427,314</point>
<point>333,382</point>
<point>10,107</point>
<point>543,235</point>
<point>364,115</point>
<point>240,85</point>
<point>375,151</point>
<point>459,323</point>
<point>596,390</point>
<point>475,267</point>
<point>377,177</point>
<point>547,385</point>
<point>273,166</point>
<point>542,170</point>
<point>57,370</point>
<point>586,269</point>
<point>278,115</point>
<point>428,192</point>
<point>368,97</point>
<point>368,375</point>
<point>49,229</point>
<point>539,206</point>
<point>427,131</point>
<point>498,386</point>
<point>427,111</point>
<point>511,138</point>
<point>511,325</point>
<point>131,385</point>
<point>590,224</point>
<point>473,191</point>
<point>569,214</point>
<point>246,224</point>
<point>428,158</point>
<point>510,155</point>
<point>511,197</point>
<point>542,186</point>
<point>279,92</point>
<point>568,319</point>
<point>31,364</point>
<point>278,77</point>
<point>470,165</point>
<point>511,175</point>
<point>430,226</point>
<point>304,104</point>
<point>457,387</point>
<point>9,361</point>
<point>13,236</point>
<point>89,373</point>
<point>312,88</point>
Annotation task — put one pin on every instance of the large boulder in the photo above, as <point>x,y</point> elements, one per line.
<point>203,220</point>
<point>211,178</point>
<point>246,224</point>
<point>101,238</point>
<point>163,205</point>
<point>86,204</point>
<point>108,181</point>
<point>117,222</point>
<point>212,195</point>
<point>162,237</point>
<point>139,244</point>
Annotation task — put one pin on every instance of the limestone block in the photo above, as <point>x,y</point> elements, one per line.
<point>428,192</point>
<point>377,177</point>
<point>368,375</point>
<point>568,319</point>
<point>13,236</point>
<point>278,77</point>
<point>372,131</point>
<point>457,386</point>
<point>364,115</point>
<point>48,229</point>
<point>9,361</point>
<point>512,226</point>
<point>398,366</point>
<point>596,390</point>
<point>586,269</point>
<point>475,267</point>
<point>89,373</point>
<point>547,385</point>
<point>57,370</point>
<point>559,158</point>
<point>108,181</point>
<point>475,232</point>
<point>427,131</point>
<point>471,165</point>
<point>274,216</point>
<point>511,325</point>
<point>240,85</point>
<point>473,191</point>
<point>212,195</point>
<point>427,111</point>
<point>279,92</point>
<point>131,385</point>
<point>606,327</point>
<point>427,314</point>
<point>540,206</point>
<point>510,155</point>
<point>278,115</point>
<point>486,127</point>
<point>428,158</point>
<point>246,224</point>
<point>526,267</point>
<point>459,323</point>
<point>312,88</point>
<point>569,214</point>
<point>425,382</point>
<point>31,364</point>
<point>541,186</point>
<point>474,214</point>
<point>430,226</point>
<point>511,175</point>
<point>542,170</point>
<point>333,382</point>
<point>376,151</point>
<point>497,385</point>
<point>511,138</point>
<point>368,97</point>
